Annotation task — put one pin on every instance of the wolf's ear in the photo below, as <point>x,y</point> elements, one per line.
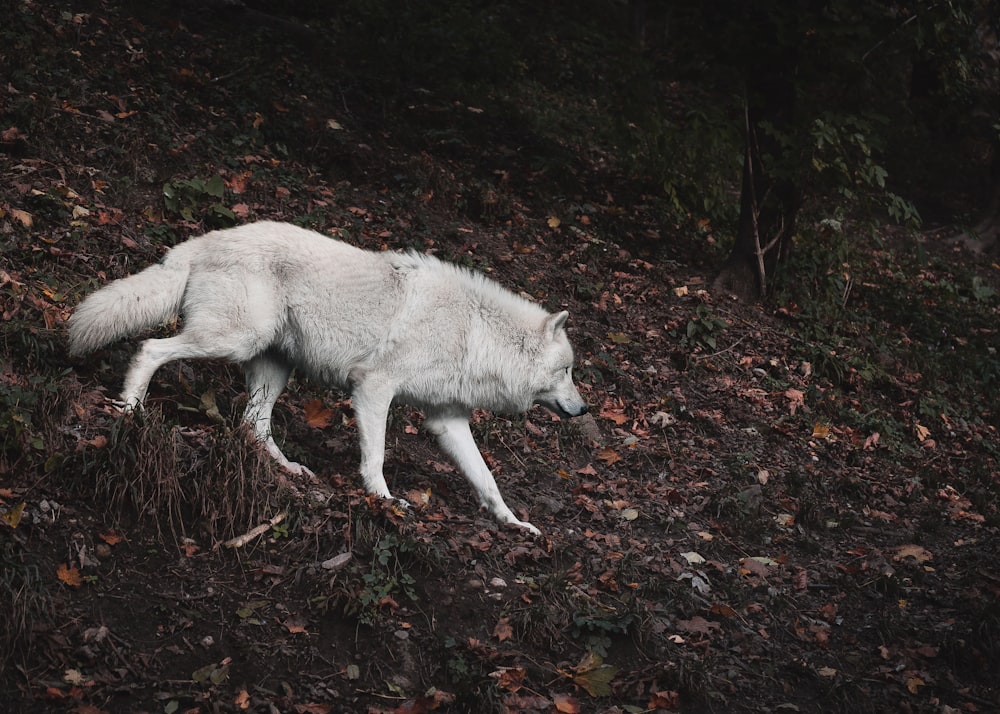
<point>554,323</point>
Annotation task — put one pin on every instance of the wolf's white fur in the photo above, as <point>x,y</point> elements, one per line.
<point>387,326</point>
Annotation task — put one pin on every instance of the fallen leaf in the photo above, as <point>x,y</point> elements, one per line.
<point>921,431</point>
<point>796,398</point>
<point>69,576</point>
<point>820,431</point>
<point>613,411</point>
<point>214,673</point>
<point>921,554</point>
<point>23,217</point>
<point>110,537</point>
<point>609,456</point>
<point>317,416</point>
<point>913,684</point>
<point>566,704</point>
<point>296,624</point>
<point>668,700</point>
<point>419,497</point>
<point>13,517</point>
<point>509,678</point>
<point>73,676</point>
<point>826,672</point>
<point>594,676</point>
<point>242,699</point>
<point>554,222</point>
<point>698,624</point>
<point>503,630</point>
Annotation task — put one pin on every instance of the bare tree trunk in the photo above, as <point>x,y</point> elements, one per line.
<point>769,199</point>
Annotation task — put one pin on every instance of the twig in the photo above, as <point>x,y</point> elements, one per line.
<point>240,541</point>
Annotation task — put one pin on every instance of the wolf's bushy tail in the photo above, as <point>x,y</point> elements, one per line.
<point>130,305</point>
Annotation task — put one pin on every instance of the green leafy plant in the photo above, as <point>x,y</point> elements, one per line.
<point>704,328</point>
<point>596,628</point>
<point>844,150</point>
<point>194,199</point>
<point>386,578</point>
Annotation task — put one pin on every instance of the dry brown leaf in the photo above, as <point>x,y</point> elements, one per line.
<point>668,700</point>
<point>317,416</point>
<point>820,431</point>
<point>509,678</point>
<point>921,554</point>
<point>697,624</point>
<point>110,537</point>
<point>69,576</point>
<point>566,704</point>
<point>796,398</point>
<point>296,624</point>
<point>609,456</point>
<point>503,630</point>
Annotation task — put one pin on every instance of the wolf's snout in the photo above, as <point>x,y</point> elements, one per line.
<point>572,410</point>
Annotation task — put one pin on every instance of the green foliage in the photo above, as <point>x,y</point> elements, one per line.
<point>197,199</point>
<point>697,160</point>
<point>844,147</point>
<point>596,628</point>
<point>704,328</point>
<point>18,404</point>
<point>386,577</point>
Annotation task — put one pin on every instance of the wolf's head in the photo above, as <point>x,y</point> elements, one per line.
<point>556,390</point>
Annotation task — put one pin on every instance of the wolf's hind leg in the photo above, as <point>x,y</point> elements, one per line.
<point>455,437</point>
<point>266,380</point>
<point>153,354</point>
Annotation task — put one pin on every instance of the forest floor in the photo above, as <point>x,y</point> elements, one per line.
<point>781,508</point>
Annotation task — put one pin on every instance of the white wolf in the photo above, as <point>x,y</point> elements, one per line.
<point>387,326</point>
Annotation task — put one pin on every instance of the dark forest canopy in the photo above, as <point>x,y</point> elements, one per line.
<point>828,107</point>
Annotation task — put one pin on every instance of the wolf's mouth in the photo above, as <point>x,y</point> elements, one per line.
<point>562,412</point>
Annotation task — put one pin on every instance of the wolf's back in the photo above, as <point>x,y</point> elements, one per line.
<point>131,305</point>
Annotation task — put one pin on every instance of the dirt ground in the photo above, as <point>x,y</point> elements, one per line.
<point>737,526</point>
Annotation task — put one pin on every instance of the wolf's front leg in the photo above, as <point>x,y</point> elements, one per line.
<point>371,403</point>
<point>456,440</point>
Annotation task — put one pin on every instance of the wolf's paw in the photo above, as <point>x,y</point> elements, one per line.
<point>298,469</point>
<point>400,502</point>
<point>126,406</point>
<point>522,524</point>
